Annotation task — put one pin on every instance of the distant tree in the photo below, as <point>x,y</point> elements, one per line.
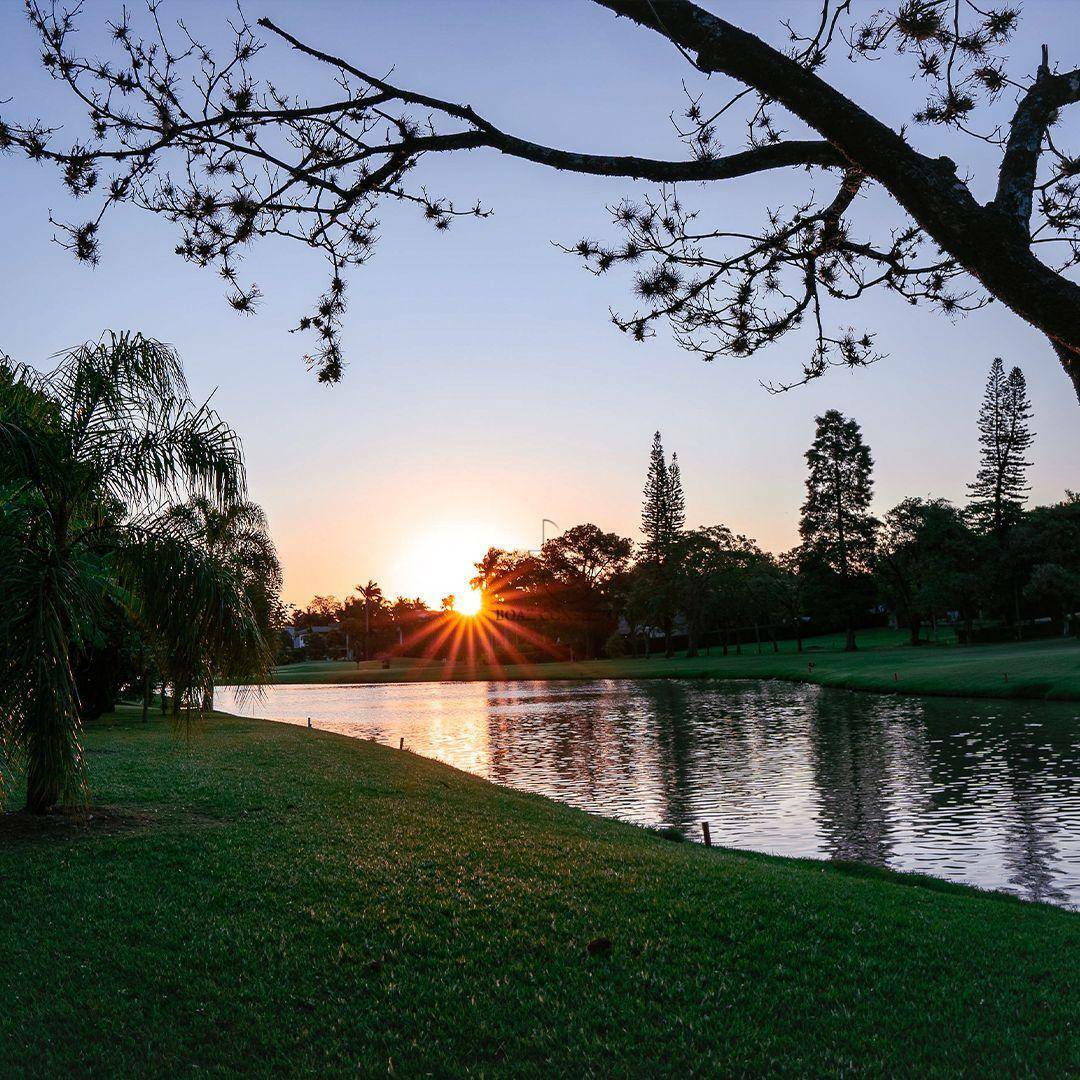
<point>406,616</point>
<point>676,500</point>
<point>649,602</point>
<point>1056,588</point>
<point>372,595</point>
<point>448,603</point>
<point>1045,545</point>
<point>582,563</point>
<point>588,554</point>
<point>322,611</point>
<point>663,515</point>
<point>789,587</point>
<point>655,521</point>
<point>699,566</point>
<point>1000,488</point>
<point>326,612</point>
<point>925,562</point>
<point>511,582</point>
<point>836,524</point>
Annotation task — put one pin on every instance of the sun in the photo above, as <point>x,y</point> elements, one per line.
<point>438,561</point>
<point>469,603</point>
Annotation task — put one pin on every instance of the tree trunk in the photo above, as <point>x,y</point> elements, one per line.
<point>42,786</point>
<point>146,697</point>
<point>915,626</point>
<point>849,639</point>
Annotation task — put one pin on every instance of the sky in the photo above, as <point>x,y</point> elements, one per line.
<point>486,388</point>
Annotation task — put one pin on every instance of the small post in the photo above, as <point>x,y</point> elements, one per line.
<point>401,743</point>
<point>309,721</point>
<point>706,835</point>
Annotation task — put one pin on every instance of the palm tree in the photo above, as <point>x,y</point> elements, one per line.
<point>89,454</point>
<point>236,535</point>
<point>372,594</point>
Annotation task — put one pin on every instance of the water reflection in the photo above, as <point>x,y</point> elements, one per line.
<point>984,792</point>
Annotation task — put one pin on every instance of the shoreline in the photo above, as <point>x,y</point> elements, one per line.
<point>1047,670</point>
<point>334,873</point>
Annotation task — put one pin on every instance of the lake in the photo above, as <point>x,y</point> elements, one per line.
<point>984,792</point>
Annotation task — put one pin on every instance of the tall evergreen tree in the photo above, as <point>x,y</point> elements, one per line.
<point>663,515</point>
<point>836,525</point>
<point>676,501</point>
<point>1000,488</point>
<point>655,503</point>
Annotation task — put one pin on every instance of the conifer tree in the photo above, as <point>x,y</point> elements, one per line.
<point>663,507</point>
<point>654,502</point>
<point>836,525</point>
<point>676,501</point>
<point>663,515</point>
<point>1000,488</point>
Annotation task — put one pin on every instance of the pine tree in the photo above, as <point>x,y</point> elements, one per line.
<point>654,502</point>
<point>1000,488</point>
<point>836,525</point>
<point>676,501</point>
<point>663,515</point>
<point>663,507</point>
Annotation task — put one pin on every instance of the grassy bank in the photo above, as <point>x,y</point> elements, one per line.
<point>884,662</point>
<point>257,897</point>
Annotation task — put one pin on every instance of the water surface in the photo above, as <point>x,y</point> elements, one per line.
<point>985,792</point>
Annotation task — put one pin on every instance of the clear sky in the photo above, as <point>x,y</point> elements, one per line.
<point>487,388</point>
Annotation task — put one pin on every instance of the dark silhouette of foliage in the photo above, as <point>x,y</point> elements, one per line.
<point>927,563</point>
<point>836,524</point>
<point>231,157</point>
<point>663,505</point>
<point>1000,488</point>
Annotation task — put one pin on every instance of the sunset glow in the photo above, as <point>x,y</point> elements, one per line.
<point>469,603</point>
<point>440,561</point>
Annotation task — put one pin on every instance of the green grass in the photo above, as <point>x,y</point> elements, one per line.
<point>262,898</point>
<point>884,662</point>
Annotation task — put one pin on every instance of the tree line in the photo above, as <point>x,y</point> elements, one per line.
<point>989,570</point>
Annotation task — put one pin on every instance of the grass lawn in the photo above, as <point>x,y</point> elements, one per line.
<point>884,662</point>
<point>255,897</point>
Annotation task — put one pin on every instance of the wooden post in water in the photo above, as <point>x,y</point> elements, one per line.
<point>706,834</point>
